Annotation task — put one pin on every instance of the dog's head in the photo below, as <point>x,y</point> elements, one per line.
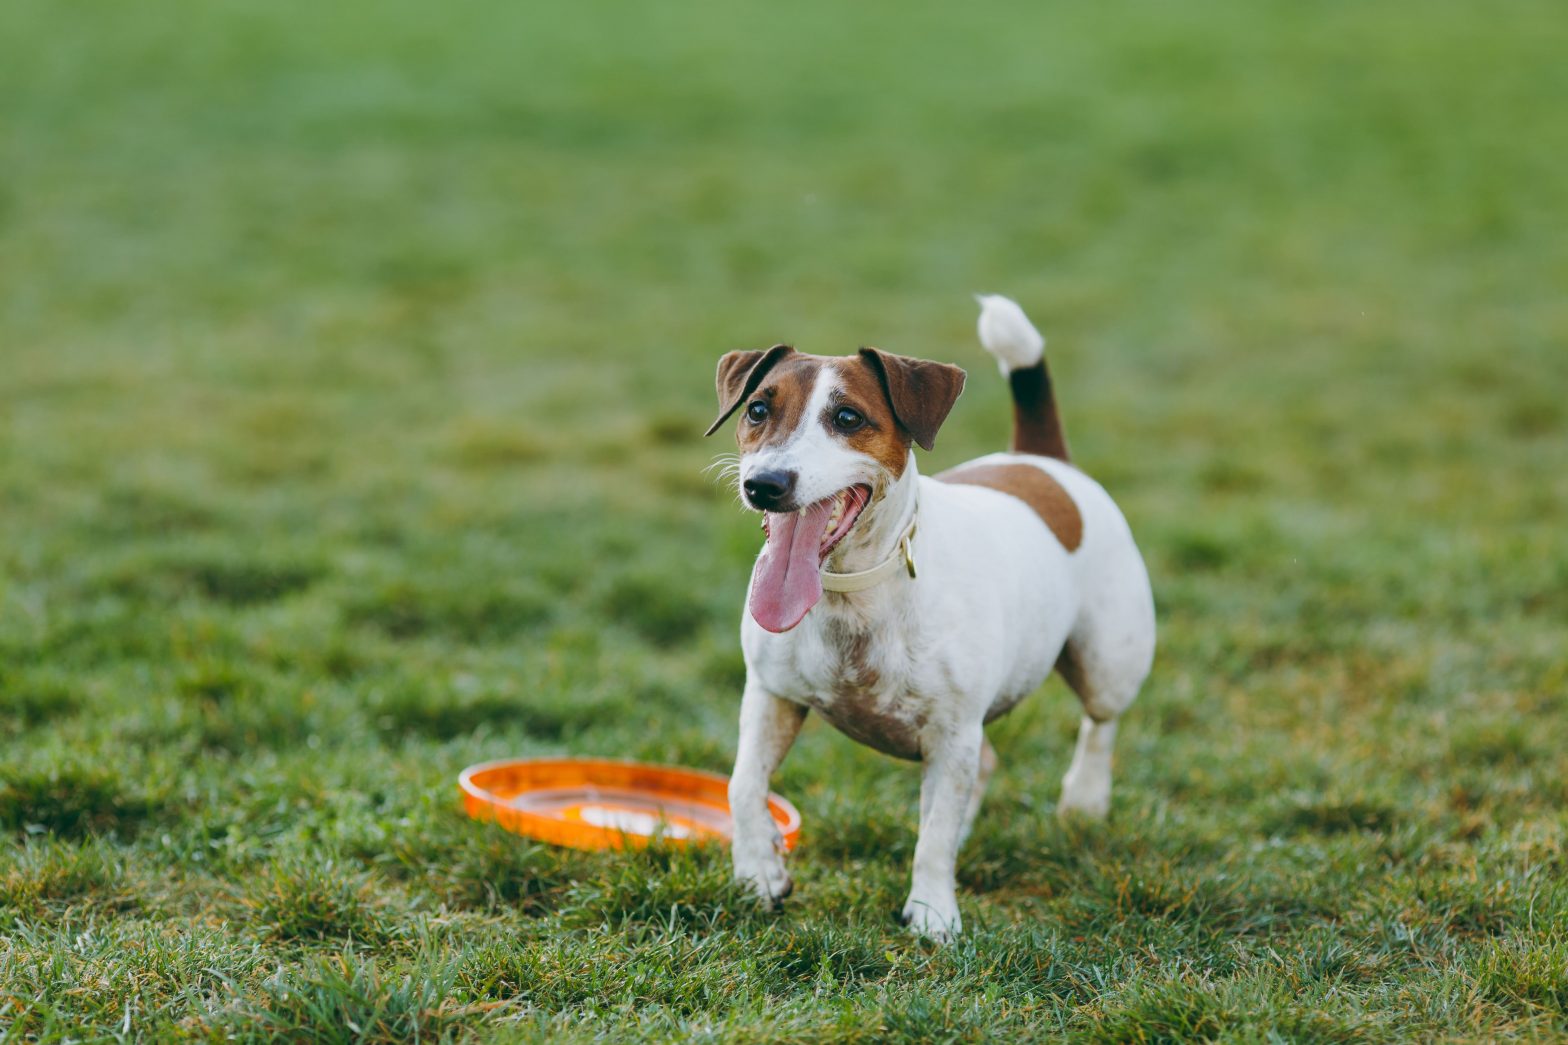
<point>822,438</point>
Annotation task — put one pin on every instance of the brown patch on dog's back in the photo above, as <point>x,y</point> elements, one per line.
<point>881,438</point>
<point>1031,485</point>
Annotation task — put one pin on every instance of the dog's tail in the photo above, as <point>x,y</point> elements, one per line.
<point>1008,335</point>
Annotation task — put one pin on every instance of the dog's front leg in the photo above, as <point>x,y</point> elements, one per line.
<point>952,764</point>
<point>768,726</point>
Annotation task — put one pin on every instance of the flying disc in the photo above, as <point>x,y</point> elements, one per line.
<point>594,803</point>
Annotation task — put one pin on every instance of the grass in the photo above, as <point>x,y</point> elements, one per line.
<point>352,365</point>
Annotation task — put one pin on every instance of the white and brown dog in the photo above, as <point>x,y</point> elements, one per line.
<point>910,611</point>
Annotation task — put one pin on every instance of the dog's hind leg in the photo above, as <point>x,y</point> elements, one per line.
<point>1086,789</point>
<point>1105,662</point>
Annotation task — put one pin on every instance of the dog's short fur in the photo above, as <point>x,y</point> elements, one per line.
<point>1024,564</point>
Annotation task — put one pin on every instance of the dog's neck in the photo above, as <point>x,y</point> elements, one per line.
<point>881,526</point>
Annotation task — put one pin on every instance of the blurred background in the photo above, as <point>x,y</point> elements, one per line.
<point>354,360</point>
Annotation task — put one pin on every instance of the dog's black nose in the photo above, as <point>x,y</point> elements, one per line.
<point>769,490</point>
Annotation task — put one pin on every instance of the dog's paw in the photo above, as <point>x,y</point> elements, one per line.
<point>937,920</point>
<point>1087,797</point>
<point>765,877</point>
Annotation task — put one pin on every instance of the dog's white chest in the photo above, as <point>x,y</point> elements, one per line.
<point>864,682</point>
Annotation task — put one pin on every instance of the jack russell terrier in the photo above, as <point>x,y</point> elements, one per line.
<point>910,611</point>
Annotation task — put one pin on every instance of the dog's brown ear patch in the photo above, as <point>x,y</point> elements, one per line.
<point>739,375</point>
<point>1031,485</point>
<point>921,392</point>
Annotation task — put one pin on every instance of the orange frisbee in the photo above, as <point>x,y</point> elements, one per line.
<point>602,803</point>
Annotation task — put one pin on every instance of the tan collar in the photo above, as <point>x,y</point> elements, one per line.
<point>903,558</point>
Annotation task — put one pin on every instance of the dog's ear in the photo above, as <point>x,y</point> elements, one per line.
<point>920,392</point>
<point>739,375</point>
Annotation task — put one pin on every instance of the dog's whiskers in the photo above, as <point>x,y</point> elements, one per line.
<point>725,469</point>
<point>727,466</point>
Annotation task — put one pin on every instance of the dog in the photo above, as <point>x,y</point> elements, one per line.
<point>910,611</point>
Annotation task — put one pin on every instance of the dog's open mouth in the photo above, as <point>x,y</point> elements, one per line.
<point>845,508</point>
<point>787,581</point>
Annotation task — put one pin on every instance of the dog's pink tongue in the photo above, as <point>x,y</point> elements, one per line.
<point>786,582</point>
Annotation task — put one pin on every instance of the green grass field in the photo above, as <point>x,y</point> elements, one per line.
<point>353,361</point>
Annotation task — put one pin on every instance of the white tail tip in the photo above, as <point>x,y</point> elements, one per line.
<point>1007,333</point>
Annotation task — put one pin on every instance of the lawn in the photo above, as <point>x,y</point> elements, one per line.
<point>353,365</point>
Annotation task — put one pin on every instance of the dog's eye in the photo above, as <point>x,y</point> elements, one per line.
<point>757,412</point>
<point>847,420</point>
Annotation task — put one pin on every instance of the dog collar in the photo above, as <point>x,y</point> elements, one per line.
<point>903,558</point>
